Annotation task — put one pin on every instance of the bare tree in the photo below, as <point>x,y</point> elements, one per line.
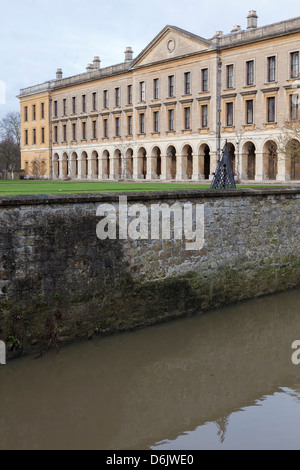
<point>290,139</point>
<point>10,127</point>
<point>289,146</point>
<point>10,157</point>
<point>38,167</point>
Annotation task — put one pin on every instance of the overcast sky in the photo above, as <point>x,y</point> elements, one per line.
<point>38,36</point>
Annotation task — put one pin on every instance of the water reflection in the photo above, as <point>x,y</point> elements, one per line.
<point>272,423</point>
<point>156,386</point>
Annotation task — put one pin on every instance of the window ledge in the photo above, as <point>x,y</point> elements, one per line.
<point>228,128</point>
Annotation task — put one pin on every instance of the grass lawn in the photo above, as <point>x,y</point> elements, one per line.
<point>13,188</point>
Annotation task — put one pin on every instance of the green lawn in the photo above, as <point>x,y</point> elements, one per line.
<point>12,188</point>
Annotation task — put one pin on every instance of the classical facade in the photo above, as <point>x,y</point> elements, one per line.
<point>156,116</point>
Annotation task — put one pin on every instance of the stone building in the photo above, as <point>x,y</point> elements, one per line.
<point>156,116</point>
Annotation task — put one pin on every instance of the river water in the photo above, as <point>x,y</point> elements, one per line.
<point>223,380</point>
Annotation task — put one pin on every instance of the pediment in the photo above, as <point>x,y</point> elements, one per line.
<point>170,43</point>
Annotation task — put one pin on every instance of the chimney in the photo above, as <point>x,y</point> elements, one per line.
<point>89,67</point>
<point>252,19</point>
<point>96,62</point>
<point>219,33</point>
<point>59,74</point>
<point>128,54</point>
<point>236,28</point>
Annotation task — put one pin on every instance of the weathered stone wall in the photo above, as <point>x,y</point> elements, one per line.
<point>59,281</point>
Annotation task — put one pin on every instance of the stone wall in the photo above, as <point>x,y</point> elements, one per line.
<point>59,281</point>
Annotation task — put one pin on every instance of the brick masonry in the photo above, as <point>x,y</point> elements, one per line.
<point>60,282</point>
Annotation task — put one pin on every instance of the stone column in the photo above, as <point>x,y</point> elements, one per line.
<point>282,174</point>
<point>260,170</point>
<point>93,167</point>
<point>181,167</point>
<point>90,167</point>
<point>72,168</point>
<point>136,168</point>
<point>114,162</point>
<point>151,174</point>
<point>243,166</point>
<point>123,167</point>
<point>197,173</point>
<point>79,163</point>
<point>101,171</point>
<point>165,175</point>
<point>64,168</point>
<point>237,169</point>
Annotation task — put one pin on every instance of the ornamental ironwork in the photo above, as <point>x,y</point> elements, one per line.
<point>224,176</point>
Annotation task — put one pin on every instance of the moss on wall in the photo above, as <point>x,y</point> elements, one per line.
<point>59,282</point>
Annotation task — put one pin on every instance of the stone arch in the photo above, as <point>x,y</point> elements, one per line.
<point>270,156</point>
<point>248,160</point>
<point>94,164</point>
<point>64,165</point>
<point>187,153</point>
<point>231,151</point>
<point>205,161</point>
<point>142,163</point>
<point>106,164</point>
<point>84,165</point>
<point>74,166</point>
<point>55,164</point>
<point>156,154</point>
<point>171,162</point>
<point>292,153</point>
<point>118,169</point>
<point>129,163</point>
